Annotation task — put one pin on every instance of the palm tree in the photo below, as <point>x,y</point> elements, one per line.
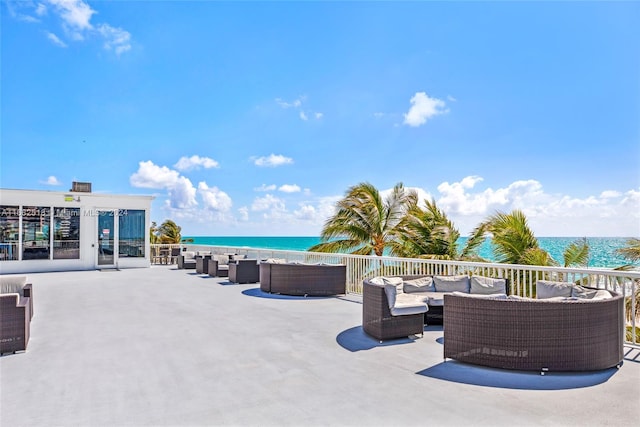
<point>576,254</point>
<point>631,250</point>
<point>513,240</point>
<point>153,233</point>
<point>170,232</point>
<point>365,223</point>
<point>428,233</point>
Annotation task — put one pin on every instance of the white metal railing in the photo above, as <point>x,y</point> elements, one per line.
<point>161,252</point>
<point>522,278</point>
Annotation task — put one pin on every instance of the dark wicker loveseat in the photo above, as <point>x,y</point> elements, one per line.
<point>535,334</point>
<point>303,279</point>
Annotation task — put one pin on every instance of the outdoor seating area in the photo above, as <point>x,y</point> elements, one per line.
<point>567,327</point>
<point>281,354</point>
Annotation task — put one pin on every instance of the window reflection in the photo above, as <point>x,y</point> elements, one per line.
<point>9,232</point>
<point>35,232</point>
<point>66,233</point>
<point>132,232</point>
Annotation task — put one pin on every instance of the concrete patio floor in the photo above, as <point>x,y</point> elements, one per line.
<point>162,346</point>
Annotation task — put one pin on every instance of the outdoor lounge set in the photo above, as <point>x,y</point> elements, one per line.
<point>565,328</point>
<point>16,312</point>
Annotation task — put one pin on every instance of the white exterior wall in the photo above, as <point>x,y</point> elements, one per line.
<point>89,204</point>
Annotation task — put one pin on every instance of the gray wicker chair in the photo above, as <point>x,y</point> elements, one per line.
<point>531,334</point>
<point>244,271</point>
<point>377,320</point>
<point>15,321</point>
<point>202,264</point>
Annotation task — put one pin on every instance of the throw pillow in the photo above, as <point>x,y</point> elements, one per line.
<point>422,284</point>
<point>487,285</point>
<point>584,293</point>
<point>452,283</point>
<point>549,289</point>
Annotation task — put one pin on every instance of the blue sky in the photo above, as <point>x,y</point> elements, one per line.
<point>248,118</point>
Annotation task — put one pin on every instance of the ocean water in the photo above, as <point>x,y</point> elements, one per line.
<point>602,249</point>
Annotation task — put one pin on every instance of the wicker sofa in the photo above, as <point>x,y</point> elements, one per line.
<point>394,307</point>
<point>303,279</point>
<point>16,311</point>
<point>580,332</point>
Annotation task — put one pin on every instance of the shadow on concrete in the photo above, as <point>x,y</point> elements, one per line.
<point>256,292</point>
<point>521,380</point>
<point>632,354</point>
<point>355,339</point>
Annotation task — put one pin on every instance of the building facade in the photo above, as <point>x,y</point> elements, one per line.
<point>75,230</point>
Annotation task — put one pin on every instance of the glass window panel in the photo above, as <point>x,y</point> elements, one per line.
<point>35,232</point>
<point>9,232</point>
<point>131,233</point>
<point>66,233</point>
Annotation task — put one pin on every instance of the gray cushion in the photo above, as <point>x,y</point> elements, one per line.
<point>452,283</point>
<point>584,293</point>
<point>222,259</point>
<point>487,285</point>
<point>548,289</point>
<point>405,304</point>
<point>422,284</point>
<point>188,254</point>
<point>392,287</point>
<point>12,284</point>
<point>487,296</point>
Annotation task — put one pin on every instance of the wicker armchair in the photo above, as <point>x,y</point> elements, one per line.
<point>377,320</point>
<point>202,264</point>
<point>15,321</point>
<point>535,334</point>
<point>18,285</point>
<point>187,260</point>
<point>244,271</point>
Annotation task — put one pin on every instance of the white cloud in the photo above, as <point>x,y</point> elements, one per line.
<point>268,203</point>
<point>289,188</point>
<point>195,162</point>
<point>265,187</point>
<point>41,9</point>
<point>51,180</point>
<point>273,160</point>
<point>295,103</point>
<point>214,198</point>
<point>182,195</point>
<point>55,39</point>
<point>451,98</point>
<point>150,175</point>
<point>75,18</point>
<point>306,212</point>
<point>75,13</point>
<point>243,213</point>
<point>423,108</point>
<point>115,38</point>
<point>610,194</point>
